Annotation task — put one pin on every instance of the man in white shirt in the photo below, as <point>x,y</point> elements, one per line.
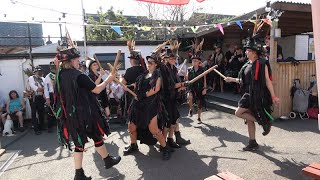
<point>48,93</point>
<point>36,82</point>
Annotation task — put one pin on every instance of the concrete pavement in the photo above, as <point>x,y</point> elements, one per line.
<point>216,145</point>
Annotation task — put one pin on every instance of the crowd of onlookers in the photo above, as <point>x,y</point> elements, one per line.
<point>35,105</point>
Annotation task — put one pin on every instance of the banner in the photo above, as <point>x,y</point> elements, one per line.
<point>169,2</point>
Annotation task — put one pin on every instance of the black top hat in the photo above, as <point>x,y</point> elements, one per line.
<point>68,54</point>
<point>252,44</point>
<point>197,49</point>
<point>153,57</point>
<point>37,68</point>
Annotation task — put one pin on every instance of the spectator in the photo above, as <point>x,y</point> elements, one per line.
<point>14,107</point>
<point>116,93</point>
<point>221,62</point>
<point>2,110</point>
<point>36,82</point>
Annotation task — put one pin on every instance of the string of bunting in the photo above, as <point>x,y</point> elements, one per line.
<point>118,29</point>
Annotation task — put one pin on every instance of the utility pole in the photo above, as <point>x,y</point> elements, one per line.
<point>84,30</point>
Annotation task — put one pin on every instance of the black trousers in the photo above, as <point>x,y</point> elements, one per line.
<point>51,118</point>
<point>37,106</point>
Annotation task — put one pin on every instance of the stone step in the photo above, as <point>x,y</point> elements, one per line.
<point>221,106</point>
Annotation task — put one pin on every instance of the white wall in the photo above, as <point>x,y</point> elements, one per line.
<point>13,77</point>
<point>145,51</point>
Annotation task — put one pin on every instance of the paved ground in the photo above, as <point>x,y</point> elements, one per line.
<point>216,146</point>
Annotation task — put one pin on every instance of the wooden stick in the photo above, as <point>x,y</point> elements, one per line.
<point>223,76</point>
<point>203,74</point>
<point>184,62</point>
<point>97,60</point>
<point>118,81</point>
<point>115,64</point>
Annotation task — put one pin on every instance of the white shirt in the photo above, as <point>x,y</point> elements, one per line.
<point>48,85</point>
<point>116,90</point>
<point>184,69</point>
<point>35,84</point>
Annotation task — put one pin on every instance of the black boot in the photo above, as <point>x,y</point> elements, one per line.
<point>180,140</point>
<point>80,175</point>
<point>172,144</point>
<point>253,145</point>
<point>166,154</point>
<point>110,161</point>
<point>266,128</point>
<point>131,149</point>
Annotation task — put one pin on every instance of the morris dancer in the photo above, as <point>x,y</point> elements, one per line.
<point>80,114</point>
<point>198,89</point>
<point>143,114</point>
<point>96,77</point>
<point>257,93</point>
<point>171,84</point>
<point>137,68</point>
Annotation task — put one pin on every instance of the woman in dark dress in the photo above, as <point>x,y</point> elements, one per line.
<point>79,113</point>
<point>96,77</point>
<point>144,110</point>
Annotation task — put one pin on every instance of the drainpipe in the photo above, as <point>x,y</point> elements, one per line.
<point>22,68</point>
<point>315,7</point>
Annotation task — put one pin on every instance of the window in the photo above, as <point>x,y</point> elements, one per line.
<point>105,58</point>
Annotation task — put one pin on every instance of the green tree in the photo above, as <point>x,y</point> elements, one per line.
<point>99,28</point>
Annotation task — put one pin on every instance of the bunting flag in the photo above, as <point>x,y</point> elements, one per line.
<point>220,28</point>
<point>145,28</point>
<point>117,29</point>
<point>239,24</point>
<point>194,29</point>
<point>169,2</point>
<point>138,27</point>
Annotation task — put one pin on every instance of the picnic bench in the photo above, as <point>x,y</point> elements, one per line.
<point>225,176</point>
<point>312,171</point>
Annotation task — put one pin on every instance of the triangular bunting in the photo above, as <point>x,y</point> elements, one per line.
<point>117,29</point>
<point>194,29</point>
<point>239,24</point>
<point>146,28</point>
<point>220,28</point>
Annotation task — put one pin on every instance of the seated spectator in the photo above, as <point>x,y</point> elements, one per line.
<point>14,107</point>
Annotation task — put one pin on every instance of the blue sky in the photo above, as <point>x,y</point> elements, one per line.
<point>45,10</point>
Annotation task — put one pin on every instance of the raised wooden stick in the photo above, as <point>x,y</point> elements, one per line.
<point>184,62</point>
<point>118,81</point>
<point>115,64</point>
<point>203,74</point>
<point>96,58</point>
<point>223,76</point>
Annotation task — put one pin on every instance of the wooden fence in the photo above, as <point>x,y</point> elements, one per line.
<point>285,74</point>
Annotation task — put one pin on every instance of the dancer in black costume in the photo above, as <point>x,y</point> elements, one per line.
<point>145,110</point>
<point>96,77</point>
<point>199,88</point>
<point>80,116</point>
<point>171,84</point>
<point>258,93</point>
